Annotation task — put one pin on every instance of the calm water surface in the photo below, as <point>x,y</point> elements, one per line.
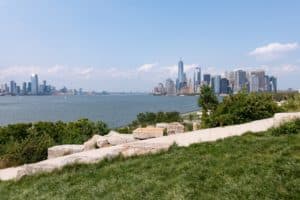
<point>115,110</point>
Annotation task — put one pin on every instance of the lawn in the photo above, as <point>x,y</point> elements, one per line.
<point>254,166</point>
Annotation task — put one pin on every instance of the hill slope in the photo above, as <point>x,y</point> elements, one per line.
<point>254,166</point>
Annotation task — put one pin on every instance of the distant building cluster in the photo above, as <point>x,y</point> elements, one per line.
<point>34,88</point>
<point>232,82</point>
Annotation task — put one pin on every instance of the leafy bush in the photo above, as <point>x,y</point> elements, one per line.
<point>238,108</point>
<point>292,103</point>
<point>27,143</point>
<point>244,107</point>
<point>289,128</point>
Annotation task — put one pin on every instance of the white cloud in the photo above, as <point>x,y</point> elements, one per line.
<point>146,67</point>
<point>273,50</point>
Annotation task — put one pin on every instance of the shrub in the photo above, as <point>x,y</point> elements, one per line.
<point>27,143</point>
<point>243,107</point>
<point>292,103</point>
<point>289,128</point>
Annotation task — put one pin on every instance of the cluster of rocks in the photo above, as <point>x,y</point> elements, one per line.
<point>171,128</point>
<point>97,141</point>
<point>114,138</point>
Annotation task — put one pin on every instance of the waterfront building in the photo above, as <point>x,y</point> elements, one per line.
<point>29,88</point>
<point>206,79</point>
<point>34,84</point>
<point>224,88</point>
<point>240,80</point>
<point>159,89</point>
<point>230,77</point>
<point>260,74</point>
<point>170,87</point>
<point>24,88</point>
<point>180,71</point>
<point>273,83</point>
<point>267,85</point>
<point>216,84</point>
<point>254,83</point>
<point>13,88</point>
<point>197,79</point>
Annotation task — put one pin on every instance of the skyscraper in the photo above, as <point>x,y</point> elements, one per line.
<point>240,80</point>
<point>206,79</point>
<point>224,88</point>
<point>34,84</point>
<point>181,76</point>
<point>216,83</point>
<point>180,71</point>
<point>273,83</point>
<point>170,87</point>
<point>254,83</point>
<point>260,74</point>
<point>24,88</point>
<point>197,79</point>
<point>13,88</point>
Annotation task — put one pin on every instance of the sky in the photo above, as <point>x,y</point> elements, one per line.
<point>131,45</point>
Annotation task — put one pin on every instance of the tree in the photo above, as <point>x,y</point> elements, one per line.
<point>208,102</point>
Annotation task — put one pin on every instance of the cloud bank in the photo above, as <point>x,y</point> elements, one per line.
<point>273,50</point>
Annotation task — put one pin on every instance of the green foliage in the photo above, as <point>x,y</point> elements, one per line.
<point>253,166</point>
<point>208,102</point>
<point>283,96</point>
<point>27,143</point>
<point>288,128</point>
<point>292,103</point>
<point>241,108</point>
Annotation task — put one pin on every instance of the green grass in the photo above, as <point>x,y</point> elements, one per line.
<point>254,166</point>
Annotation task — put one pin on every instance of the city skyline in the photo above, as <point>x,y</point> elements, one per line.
<point>230,82</point>
<point>115,45</point>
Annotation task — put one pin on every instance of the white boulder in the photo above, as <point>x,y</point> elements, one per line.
<point>102,142</point>
<point>62,150</point>
<point>149,132</point>
<point>91,143</point>
<point>115,138</point>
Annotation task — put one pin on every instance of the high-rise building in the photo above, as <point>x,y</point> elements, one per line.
<point>24,88</point>
<point>267,84</point>
<point>181,80</point>
<point>34,84</point>
<point>170,87</point>
<point>197,79</point>
<point>231,79</point>
<point>206,79</point>
<point>254,83</point>
<point>13,88</point>
<point>260,74</point>
<point>29,88</point>
<point>180,71</point>
<point>224,88</point>
<point>273,83</point>
<point>240,80</point>
<point>216,84</point>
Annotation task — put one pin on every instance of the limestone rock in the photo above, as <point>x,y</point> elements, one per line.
<point>174,128</point>
<point>102,142</point>
<point>115,138</point>
<point>149,132</point>
<point>62,150</point>
<point>91,143</point>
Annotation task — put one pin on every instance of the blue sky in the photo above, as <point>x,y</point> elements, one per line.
<point>127,45</point>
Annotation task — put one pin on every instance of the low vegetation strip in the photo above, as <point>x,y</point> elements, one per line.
<point>265,165</point>
<point>146,146</point>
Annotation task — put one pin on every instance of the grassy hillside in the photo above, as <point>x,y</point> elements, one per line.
<point>254,166</point>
